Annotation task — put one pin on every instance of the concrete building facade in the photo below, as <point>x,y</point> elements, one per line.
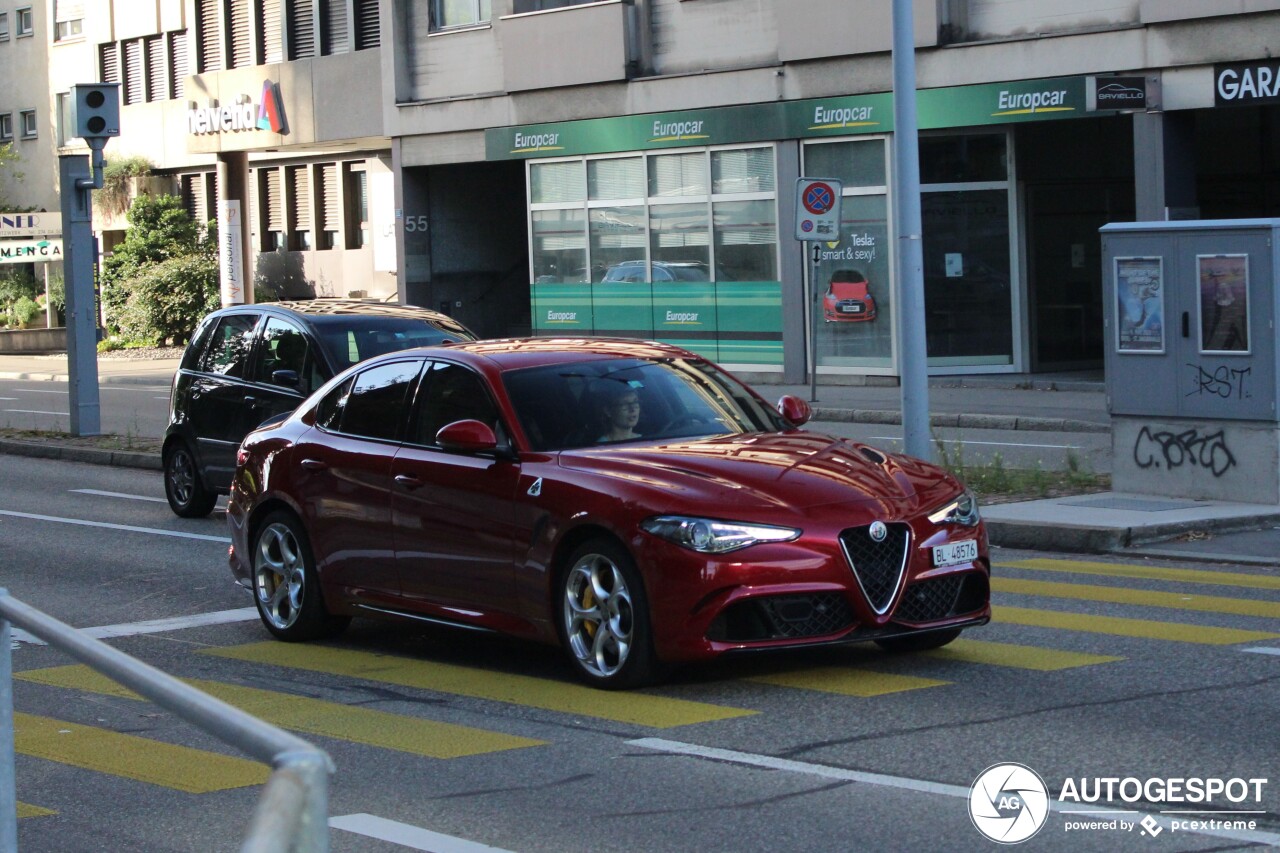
<point>629,168</point>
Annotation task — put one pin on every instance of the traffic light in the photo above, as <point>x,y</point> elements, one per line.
<point>95,112</point>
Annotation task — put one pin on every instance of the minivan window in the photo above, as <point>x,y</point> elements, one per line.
<point>228,351</point>
<point>285,347</point>
<point>349,340</point>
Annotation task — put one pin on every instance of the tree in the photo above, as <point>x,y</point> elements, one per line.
<point>163,278</point>
<point>9,177</point>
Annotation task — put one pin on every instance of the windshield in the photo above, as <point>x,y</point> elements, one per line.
<point>352,339</point>
<point>617,400</point>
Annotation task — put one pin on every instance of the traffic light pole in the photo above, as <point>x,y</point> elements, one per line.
<point>76,180</point>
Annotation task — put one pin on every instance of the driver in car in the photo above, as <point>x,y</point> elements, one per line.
<point>620,411</point>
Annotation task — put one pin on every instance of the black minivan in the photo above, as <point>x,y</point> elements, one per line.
<point>249,363</point>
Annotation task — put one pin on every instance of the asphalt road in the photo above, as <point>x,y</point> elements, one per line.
<point>444,740</point>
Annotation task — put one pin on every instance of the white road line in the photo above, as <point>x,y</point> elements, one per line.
<point>36,412</point>
<point>992,443</point>
<point>770,762</point>
<point>407,835</point>
<point>155,531</point>
<point>1262,650</point>
<point>103,494</point>
<point>40,391</point>
<point>153,626</point>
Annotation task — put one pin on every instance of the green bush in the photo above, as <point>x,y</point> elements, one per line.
<point>26,309</point>
<point>16,284</point>
<point>167,299</point>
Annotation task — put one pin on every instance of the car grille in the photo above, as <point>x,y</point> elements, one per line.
<point>782,617</point>
<point>942,598</point>
<point>878,566</point>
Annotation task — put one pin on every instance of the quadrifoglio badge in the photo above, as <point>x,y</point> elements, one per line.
<point>1009,803</point>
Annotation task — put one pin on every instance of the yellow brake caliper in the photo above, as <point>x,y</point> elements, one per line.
<point>588,599</point>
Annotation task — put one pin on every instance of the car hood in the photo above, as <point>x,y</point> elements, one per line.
<point>784,471</point>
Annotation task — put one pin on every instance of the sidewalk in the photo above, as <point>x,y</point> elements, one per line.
<point>1136,525</point>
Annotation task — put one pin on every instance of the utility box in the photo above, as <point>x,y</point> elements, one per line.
<point>1191,359</point>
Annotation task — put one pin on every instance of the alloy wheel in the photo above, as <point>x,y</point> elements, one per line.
<point>598,617</point>
<point>279,575</point>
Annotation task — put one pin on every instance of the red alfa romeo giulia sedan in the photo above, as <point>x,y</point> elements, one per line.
<point>630,501</point>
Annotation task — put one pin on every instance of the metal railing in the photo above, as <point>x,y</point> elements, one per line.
<point>293,811</point>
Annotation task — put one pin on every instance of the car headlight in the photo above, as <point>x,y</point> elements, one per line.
<point>708,536</point>
<point>962,510</point>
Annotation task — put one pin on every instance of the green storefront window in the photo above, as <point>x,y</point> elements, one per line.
<point>615,178</point>
<point>854,164</point>
<point>744,170</point>
<point>746,237</point>
<point>555,183</point>
<point>559,245</point>
<point>617,244</point>
<point>678,174</point>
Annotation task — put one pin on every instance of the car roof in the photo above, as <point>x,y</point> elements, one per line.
<point>319,311</point>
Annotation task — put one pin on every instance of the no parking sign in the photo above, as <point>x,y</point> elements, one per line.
<point>817,209</point>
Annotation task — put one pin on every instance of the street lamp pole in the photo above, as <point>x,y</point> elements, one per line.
<point>917,440</point>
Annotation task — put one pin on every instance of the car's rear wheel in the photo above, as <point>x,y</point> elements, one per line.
<point>285,586</point>
<point>604,617</point>
<point>921,642</point>
<point>185,489</point>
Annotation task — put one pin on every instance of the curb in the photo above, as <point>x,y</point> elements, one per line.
<point>152,379</point>
<point>960,420</point>
<point>1032,536</point>
<point>91,455</point>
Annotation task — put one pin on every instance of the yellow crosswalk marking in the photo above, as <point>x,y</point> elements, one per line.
<point>847,682</point>
<point>1145,597</point>
<point>1162,573</point>
<point>638,708</point>
<point>314,716</point>
<point>192,770</point>
<point>1016,656</point>
<point>28,810</point>
<point>1178,631</point>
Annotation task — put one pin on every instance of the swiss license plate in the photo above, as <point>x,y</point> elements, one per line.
<point>954,553</point>
<point>851,309</point>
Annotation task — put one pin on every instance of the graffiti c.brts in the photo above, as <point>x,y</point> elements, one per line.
<point>1170,450</point>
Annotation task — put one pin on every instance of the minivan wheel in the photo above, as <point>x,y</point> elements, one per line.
<point>285,586</point>
<point>188,496</point>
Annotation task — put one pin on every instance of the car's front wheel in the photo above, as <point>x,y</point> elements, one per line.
<point>604,617</point>
<point>285,586</point>
<point>185,489</point>
<point>921,642</point>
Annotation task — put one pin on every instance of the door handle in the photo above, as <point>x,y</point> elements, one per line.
<point>409,482</point>
<point>1186,324</point>
<point>250,400</point>
<point>314,464</point>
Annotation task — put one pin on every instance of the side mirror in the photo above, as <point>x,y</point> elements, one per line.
<point>287,379</point>
<point>468,436</point>
<point>794,409</point>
